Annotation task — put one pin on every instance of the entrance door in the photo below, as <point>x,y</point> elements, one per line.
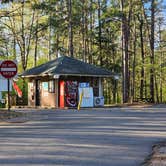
<point>37,103</point>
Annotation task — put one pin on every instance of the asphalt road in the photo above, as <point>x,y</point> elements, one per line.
<point>112,137</point>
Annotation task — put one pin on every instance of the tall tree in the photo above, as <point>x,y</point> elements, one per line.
<point>70,28</point>
<point>141,22</point>
<point>99,32</point>
<point>125,48</point>
<point>153,6</point>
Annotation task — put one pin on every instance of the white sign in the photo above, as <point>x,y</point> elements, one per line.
<point>3,84</point>
<point>56,76</point>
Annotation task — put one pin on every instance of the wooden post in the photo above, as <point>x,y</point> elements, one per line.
<point>100,87</point>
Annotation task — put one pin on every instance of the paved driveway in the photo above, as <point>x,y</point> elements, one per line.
<point>112,137</point>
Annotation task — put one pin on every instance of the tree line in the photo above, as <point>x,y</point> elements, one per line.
<point>125,36</point>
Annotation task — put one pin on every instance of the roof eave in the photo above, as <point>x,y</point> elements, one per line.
<point>85,75</point>
<point>40,75</point>
<point>78,75</point>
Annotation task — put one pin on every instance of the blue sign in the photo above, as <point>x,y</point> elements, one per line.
<point>84,85</point>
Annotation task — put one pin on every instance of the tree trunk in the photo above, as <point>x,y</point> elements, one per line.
<point>70,28</point>
<point>125,55</point>
<point>23,38</point>
<point>36,43</point>
<point>133,66</point>
<point>99,33</point>
<point>14,47</point>
<point>49,39</point>
<point>161,61</point>
<point>83,31</point>
<point>91,31</point>
<point>142,57</point>
<point>156,89</point>
<point>152,51</point>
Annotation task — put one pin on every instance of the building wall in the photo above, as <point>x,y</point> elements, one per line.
<point>52,99</point>
<point>31,94</point>
<point>47,98</point>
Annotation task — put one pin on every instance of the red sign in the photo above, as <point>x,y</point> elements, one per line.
<point>8,69</point>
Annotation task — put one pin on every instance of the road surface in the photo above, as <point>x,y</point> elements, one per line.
<point>102,137</point>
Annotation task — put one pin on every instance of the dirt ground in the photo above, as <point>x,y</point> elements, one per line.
<point>158,156</point>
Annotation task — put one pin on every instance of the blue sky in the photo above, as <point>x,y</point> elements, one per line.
<point>164,11</point>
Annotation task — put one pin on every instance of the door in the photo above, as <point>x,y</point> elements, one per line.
<point>37,103</point>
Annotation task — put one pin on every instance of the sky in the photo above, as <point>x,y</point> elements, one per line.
<point>164,12</point>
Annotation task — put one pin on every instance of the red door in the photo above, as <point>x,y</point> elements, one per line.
<point>62,94</point>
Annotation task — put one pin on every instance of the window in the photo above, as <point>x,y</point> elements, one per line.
<point>51,86</point>
<point>45,86</point>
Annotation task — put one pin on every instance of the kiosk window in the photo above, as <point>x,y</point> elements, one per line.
<point>51,86</point>
<point>45,86</point>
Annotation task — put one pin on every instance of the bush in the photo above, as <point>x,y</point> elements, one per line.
<point>2,105</point>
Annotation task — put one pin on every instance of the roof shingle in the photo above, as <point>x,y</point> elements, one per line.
<point>67,66</point>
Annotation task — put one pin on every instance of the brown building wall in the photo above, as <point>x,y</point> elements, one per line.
<point>48,99</point>
<point>31,94</point>
<point>51,99</point>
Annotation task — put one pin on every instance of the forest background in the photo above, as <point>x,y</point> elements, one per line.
<point>127,37</point>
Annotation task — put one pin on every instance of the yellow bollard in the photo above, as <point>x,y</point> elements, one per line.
<point>80,100</point>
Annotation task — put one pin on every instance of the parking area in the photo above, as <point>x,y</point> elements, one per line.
<point>95,137</point>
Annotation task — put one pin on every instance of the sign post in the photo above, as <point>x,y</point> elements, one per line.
<point>8,70</point>
<point>8,90</point>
